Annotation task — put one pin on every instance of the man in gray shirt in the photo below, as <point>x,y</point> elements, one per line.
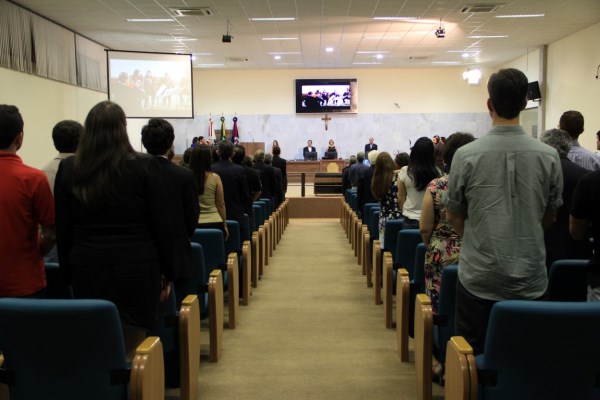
<point>503,189</point>
<point>572,122</point>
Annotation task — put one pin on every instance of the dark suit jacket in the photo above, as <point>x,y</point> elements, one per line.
<point>306,150</point>
<point>281,163</point>
<point>363,190</point>
<point>184,209</point>
<point>235,189</point>
<point>267,178</point>
<point>368,148</point>
<point>279,190</point>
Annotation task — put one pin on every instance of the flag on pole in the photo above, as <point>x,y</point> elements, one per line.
<point>234,134</point>
<point>211,129</point>
<point>223,134</point>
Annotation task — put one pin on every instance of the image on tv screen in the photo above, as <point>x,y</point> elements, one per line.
<point>151,84</point>
<point>315,96</point>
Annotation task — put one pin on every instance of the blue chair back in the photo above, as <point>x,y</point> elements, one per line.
<point>541,350</point>
<point>567,280</point>
<point>63,349</point>
<point>56,288</point>
<point>443,328</point>
<point>392,227</point>
<point>258,216</point>
<point>167,331</point>
<point>374,225</point>
<point>367,209</point>
<point>265,210</point>
<point>269,205</point>
<point>348,196</point>
<point>234,242</point>
<point>418,276</point>
<point>406,246</point>
<point>354,201</point>
<point>213,244</point>
<point>198,283</point>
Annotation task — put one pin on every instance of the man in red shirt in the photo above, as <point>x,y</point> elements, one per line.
<point>26,214</point>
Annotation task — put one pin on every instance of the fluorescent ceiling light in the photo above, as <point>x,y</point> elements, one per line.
<point>395,18</point>
<point>487,36</point>
<point>446,62</point>
<point>277,57</point>
<point>280,38</point>
<point>372,52</point>
<point>366,63</point>
<point>176,39</point>
<point>150,19</point>
<point>210,65</point>
<point>286,63</point>
<point>520,16</point>
<point>463,51</point>
<point>379,56</point>
<point>383,37</point>
<point>285,52</point>
<point>273,19</point>
<point>203,54</point>
<point>329,49</point>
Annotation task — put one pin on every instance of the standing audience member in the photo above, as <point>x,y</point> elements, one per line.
<point>235,184</point>
<point>413,180</point>
<point>443,243</point>
<point>65,136</point>
<point>211,197</point>
<point>559,243</point>
<point>254,185</point>
<point>363,190</point>
<point>438,152</point>
<point>280,163</point>
<point>401,160</point>
<point>267,175</point>
<point>585,222</point>
<point>114,232</point>
<point>357,169</point>
<point>572,123</point>
<point>503,190</point>
<point>157,138</point>
<point>279,179</point>
<point>346,174</point>
<point>26,214</point>
<point>384,187</point>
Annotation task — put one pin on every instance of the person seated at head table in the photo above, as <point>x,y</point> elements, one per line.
<point>274,144</point>
<point>331,151</point>
<point>309,152</point>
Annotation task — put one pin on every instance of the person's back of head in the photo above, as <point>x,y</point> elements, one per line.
<point>352,159</point>
<point>268,158</point>
<point>225,149</point>
<point>11,125</point>
<point>453,143</point>
<point>372,157</point>
<point>507,89</point>
<point>572,123</point>
<point>383,175</point>
<point>360,157</point>
<point>259,156</point>
<point>421,167</point>
<point>239,153</point>
<point>276,151</point>
<point>194,140</point>
<point>158,136</point>
<point>103,149</point>
<point>248,161</point>
<point>402,160</point>
<point>65,136</point>
<point>559,139</point>
<point>200,162</point>
<point>187,154</point>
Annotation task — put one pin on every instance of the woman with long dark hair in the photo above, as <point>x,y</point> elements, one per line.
<point>385,189</point>
<point>114,235</point>
<point>413,180</point>
<point>210,191</point>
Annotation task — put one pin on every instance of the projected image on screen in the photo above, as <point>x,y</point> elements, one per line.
<point>326,95</point>
<point>151,84</point>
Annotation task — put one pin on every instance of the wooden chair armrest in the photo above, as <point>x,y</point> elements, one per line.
<point>367,258</point>
<point>423,345</point>
<point>255,259</point>
<point>402,312</point>
<point>147,380</point>
<point>233,289</point>
<point>215,310</point>
<point>245,282</point>
<point>377,267</point>
<point>461,371</point>
<point>189,347</point>
<point>388,281</point>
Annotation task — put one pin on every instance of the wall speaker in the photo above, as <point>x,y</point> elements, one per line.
<point>533,91</point>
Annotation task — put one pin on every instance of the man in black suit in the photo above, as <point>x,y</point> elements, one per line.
<point>308,150</point>
<point>363,189</point>
<point>370,146</point>
<point>157,138</point>
<point>280,163</point>
<point>267,175</point>
<point>278,195</point>
<point>253,178</point>
<point>235,184</point>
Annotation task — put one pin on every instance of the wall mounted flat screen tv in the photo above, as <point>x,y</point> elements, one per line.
<point>150,85</point>
<point>326,95</point>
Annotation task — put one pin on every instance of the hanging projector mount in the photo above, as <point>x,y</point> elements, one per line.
<point>227,37</point>
<point>440,32</point>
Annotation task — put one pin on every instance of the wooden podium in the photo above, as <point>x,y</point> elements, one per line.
<point>251,147</point>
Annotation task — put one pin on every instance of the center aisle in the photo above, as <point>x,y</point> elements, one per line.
<point>311,330</point>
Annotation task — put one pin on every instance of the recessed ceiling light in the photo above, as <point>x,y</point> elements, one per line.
<point>281,38</point>
<point>329,49</point>
<point>372,52</point>
<point>277,57</point>
<point>176,39</point>
<point>285,52</point>
<point>379,56</point>
<point>487,36</point>
<point>273,19</point>
<point>395,18</point>
<point>150,19</point>
<point>520,16</point>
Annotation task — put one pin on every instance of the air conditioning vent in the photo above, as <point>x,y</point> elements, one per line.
<point>236,59</point>
<point>191,11</point>
<point>419,58</point>
<point>481,8</point>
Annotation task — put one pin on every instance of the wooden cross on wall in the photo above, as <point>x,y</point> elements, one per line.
<point>326,119</point>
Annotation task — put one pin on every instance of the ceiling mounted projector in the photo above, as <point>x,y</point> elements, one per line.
<point>440,32</point>
<point>227,38</point>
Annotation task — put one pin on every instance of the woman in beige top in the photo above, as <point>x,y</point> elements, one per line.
<point>210,189</point>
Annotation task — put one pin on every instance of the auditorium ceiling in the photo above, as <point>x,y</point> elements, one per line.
<point>325,33</point>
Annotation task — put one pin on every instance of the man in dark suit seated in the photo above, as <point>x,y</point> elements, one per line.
<point>157,138</point>
<point>309,152</point>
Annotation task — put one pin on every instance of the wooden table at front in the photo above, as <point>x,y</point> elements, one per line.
<point>296,168</point>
